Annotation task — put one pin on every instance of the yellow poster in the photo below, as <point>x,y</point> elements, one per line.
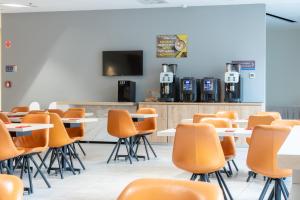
<point>172,46</point>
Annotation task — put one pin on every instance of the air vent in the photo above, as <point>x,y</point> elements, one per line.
<point>149,2</point>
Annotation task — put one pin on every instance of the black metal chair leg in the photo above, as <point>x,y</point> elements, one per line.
<point>66,159</point>
<point>271,194</point>
<point>225,185</point>
<point>128,151</point>
<point>118,148</point>
<point>76,155</point>
<point>250,174</point>
<point>59,163</point>
<point>81,148</point>
<point>226,172</point>
<point>221,186</point>
<point>43,161</point>
<point>146,149</point>
<point>282,189</point>
<point>137,144</point>
<point>235,165</point>
<point>277,191</point>
<point>23,167</point>
<point>193,177</point>
<point>151,147</point>
<point>229,166</point>
<point>52,159</point>
<point>40,172</point>
<point>266,187</point>
<point>285,188</point>
<point>29,174</point>
<point>113,151</point>
<point>70,157</point>
<point>39,156</point>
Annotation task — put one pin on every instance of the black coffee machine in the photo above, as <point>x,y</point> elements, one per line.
<point>169,83</point>
<point>126,91</point>
<point>188,89</point>
<point>210,89</point>
<point>232,81</point>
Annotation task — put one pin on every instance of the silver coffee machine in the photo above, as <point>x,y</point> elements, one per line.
<point>169,83</point>
<point>232,81</point>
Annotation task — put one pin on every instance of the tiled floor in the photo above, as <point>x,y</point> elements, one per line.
<point>101,181</point>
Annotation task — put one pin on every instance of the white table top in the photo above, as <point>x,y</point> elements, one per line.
<point>238,121</point>
<point>17,114</point>
<point>236,132</point>
<point>143,116</point>
<point>289,153</point>
<point>89,114</point>
<point>17,127</point>
<point>78,120</point>
<point>15,119</point>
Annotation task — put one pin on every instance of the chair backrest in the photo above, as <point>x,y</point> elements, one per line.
<point>34,106</point>
<point>8,149</point>
<point>233,115</point>
<point>120,124</point>
<point>198,116</point>
<point>286,122</point>
<point>75,113</point>
<point>266,141</point>
<point>38,138</point>
<point>52,105</point>
<point>162,189</point>
<point>4,118</point>
<point>197,148</point>
<point>276,115</point>
<point>147,124</point>
<point>20,109</point>
<point>11,187</point>
<point>78,109</point>
<point>57,111</point>
<point>58,135</point>
<point>38,112</point>
<point>218,122</point>
<point>256,120</point>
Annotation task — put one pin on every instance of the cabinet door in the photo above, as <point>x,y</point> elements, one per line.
<point>178,112</point>
<point>162,123</point>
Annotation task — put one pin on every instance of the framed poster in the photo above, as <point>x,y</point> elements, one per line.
<point>171,46</point>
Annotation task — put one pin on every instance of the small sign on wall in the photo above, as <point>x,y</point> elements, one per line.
<point>7,84</point>
<point>8,43</point>
<point>171,46</point>
<point>11,68</point>
<point>246,64</point>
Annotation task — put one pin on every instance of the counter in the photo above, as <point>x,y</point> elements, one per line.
<point>170,114</point>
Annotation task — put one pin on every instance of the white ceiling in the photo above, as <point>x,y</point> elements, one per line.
<point>285,8</point>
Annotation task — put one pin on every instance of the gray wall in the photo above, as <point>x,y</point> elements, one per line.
<point>59,54</point>
<point>283,67</point>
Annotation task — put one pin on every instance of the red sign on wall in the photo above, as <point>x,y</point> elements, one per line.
<point>8,43</point>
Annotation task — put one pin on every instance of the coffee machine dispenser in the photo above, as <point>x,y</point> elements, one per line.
<point>169,83</point>
<point>232,83</point>
<point>210,89</point>
<point>188,89</point>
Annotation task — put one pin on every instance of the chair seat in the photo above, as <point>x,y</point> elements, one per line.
<point>229,157</point>
<point>248,139</point>
<point>145,132</point>
<point>277,174</point>
<point>77,138</point>
<point>27,150</point>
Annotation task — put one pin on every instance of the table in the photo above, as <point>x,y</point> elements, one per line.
<point>22,129</point>
<point>17,114</point>
<point>289,157</point>
<point>237,121</point>
<point>236,132</point>
<point>75,122</point>
<point>140,117</point>
<point>88,114</point>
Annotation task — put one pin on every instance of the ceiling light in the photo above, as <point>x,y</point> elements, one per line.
<point>14,5</point>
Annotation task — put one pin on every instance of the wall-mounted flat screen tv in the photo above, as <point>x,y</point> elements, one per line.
<point>122,63</point>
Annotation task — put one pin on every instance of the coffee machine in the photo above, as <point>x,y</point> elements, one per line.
<point>169,83</point>
<point>210,89</point>
<point>126,91</point>
<point>188,89</point>
<point>232,81</point>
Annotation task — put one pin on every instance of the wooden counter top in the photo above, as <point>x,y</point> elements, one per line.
<point>96,103</point>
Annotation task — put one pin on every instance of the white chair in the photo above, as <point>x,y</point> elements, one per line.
<point>52,105</point>
<point>34,106</point>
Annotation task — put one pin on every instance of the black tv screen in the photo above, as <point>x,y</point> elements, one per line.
<point>122,63</point>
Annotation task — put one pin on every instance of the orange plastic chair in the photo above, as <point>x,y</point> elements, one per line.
<point>286,122</point>
<point>144,128</point>
<point>120,125</point>
<point>20,109</point>
<point>197,149</point>
<point>60,146</point>
<point>4,118</point>
<point>11,187</point>
<point>154,189</point>
<point>8,150</point>
<point>198,116</point>
<point>57,111</point>
<point>233,115</point>
<point>33,144</point>
<point>76,133</point>
<point>276,115</point>
<point>266,141</point>
<point>228,142</point>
